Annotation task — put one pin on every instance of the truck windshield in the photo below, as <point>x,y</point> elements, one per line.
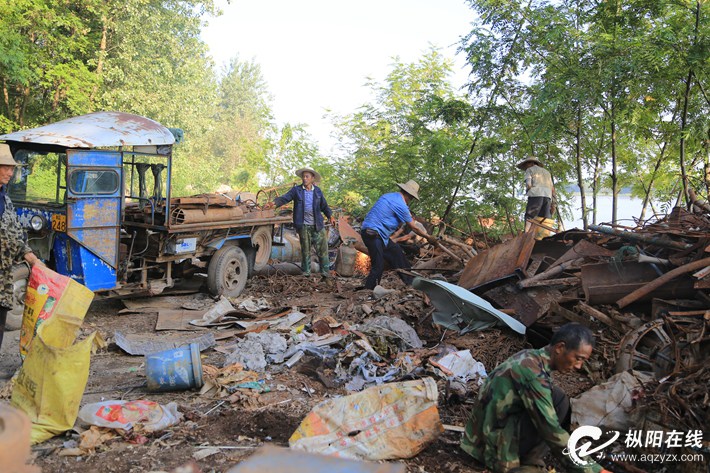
<point>94,181</point>
<point>40,180</point>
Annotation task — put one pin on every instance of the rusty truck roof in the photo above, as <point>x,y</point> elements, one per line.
<point>96,130</point>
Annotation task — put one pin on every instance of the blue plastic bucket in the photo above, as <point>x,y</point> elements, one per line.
<point>174,370</point>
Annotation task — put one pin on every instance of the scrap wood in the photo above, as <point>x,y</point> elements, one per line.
<point>642,237</point>
<point>552,271</point>
<point>569,315</point>
<point>449,252</point>
<point>468,249</point>
<point>602,317</point>
<point>658,282</point>
<point>574,281</point>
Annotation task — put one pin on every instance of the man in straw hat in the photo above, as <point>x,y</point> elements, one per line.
<point>381,221</point>
<point>308,203</point>
<point>12,238</point>
<point>539,189</point>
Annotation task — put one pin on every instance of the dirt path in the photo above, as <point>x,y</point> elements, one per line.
<point>267,418</point>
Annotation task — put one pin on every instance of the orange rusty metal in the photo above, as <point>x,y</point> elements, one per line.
<point>506,260</point>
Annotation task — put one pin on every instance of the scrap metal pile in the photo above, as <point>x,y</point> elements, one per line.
<point>643,291</point>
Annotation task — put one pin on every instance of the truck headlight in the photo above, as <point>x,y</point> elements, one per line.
<point>38,223</point>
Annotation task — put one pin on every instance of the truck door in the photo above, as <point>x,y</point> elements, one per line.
<point>94,196</point>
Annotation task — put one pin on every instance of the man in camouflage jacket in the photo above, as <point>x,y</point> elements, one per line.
<point>516,417</point>
<point>12,238</point>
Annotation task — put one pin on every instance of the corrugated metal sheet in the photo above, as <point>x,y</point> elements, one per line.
<point>98,129</point>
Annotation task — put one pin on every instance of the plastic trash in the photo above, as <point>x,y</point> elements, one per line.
<point>257,350</point>
<point>461,310</point>
<point>174,370</point>
<point>608,405</point>
<point>125,415</point>
<point>396,420</point>
<point>218,310</point>
<point>460,365</point>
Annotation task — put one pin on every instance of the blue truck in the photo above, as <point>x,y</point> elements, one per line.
<point>94,195</point>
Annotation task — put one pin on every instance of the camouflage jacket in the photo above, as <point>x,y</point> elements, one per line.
<point>518,385</point>
<point>12,248</point>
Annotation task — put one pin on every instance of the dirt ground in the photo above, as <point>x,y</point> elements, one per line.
<point>271,417</point>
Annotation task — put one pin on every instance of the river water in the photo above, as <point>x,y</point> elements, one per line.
<point>628,208</point>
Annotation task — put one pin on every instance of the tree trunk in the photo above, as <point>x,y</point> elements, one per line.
<point>614,177</point>
<point>580,178</point>
<point>102,53</point>
<point>647,197</point>
<point>595,178</point>
<point>683,123</point>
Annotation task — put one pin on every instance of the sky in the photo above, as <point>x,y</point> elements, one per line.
<point>316,55</point>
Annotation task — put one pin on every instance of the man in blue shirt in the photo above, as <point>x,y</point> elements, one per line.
<point>382,220</point>
<point>308,204</point>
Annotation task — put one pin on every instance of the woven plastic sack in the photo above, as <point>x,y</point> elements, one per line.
<point>126,414</point>
<point>51,382</point>
<point>396,420</point>
<point>44,291</point>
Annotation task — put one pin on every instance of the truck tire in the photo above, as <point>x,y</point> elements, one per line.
<point>227,272</point>
<point>20,278</point>
<point>262,239</point>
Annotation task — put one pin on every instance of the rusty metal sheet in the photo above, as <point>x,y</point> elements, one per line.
<point>96,130</point>
<point>529,305</point>
<point>347,231</point>
<point>502,261</point>
<point>606,283</point>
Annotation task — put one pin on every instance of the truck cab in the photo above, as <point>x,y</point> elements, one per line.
<point>95,198</point>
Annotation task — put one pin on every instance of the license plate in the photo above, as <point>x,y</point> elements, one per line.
<point>59,223</point>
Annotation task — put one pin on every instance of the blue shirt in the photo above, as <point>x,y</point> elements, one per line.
<point>297,195</point>
<point>3,193</point>
<point>389,211</point>
<point>308,218</point>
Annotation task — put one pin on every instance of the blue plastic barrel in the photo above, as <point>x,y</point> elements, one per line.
<point>174,370</point>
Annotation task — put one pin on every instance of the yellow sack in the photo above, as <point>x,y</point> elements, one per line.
<point>48,293</point>
<point>53,376</point>
<point>540,232</point>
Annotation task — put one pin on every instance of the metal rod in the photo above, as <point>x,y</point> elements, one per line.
<point>646,238</point>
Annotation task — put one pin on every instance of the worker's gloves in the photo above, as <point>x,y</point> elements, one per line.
<point>432,240</point>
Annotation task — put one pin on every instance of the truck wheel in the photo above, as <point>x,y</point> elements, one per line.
<point>227,272</point>
<point>262,238</point>
<point>20,277</point>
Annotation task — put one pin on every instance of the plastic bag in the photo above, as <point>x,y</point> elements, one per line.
<point>53,376</point>
<point>46,290</point>
<point>125,414</point>
<point>396,420</point>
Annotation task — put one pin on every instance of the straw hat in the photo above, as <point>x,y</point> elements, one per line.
<point>6,158</point>
<point>411,188</point>
<point>316,176</point>
<point>525,161</point>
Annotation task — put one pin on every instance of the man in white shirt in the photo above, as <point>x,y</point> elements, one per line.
<point>539,189</point>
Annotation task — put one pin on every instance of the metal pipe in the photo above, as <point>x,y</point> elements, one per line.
<point>658,282</point>
<point>643,237</point>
